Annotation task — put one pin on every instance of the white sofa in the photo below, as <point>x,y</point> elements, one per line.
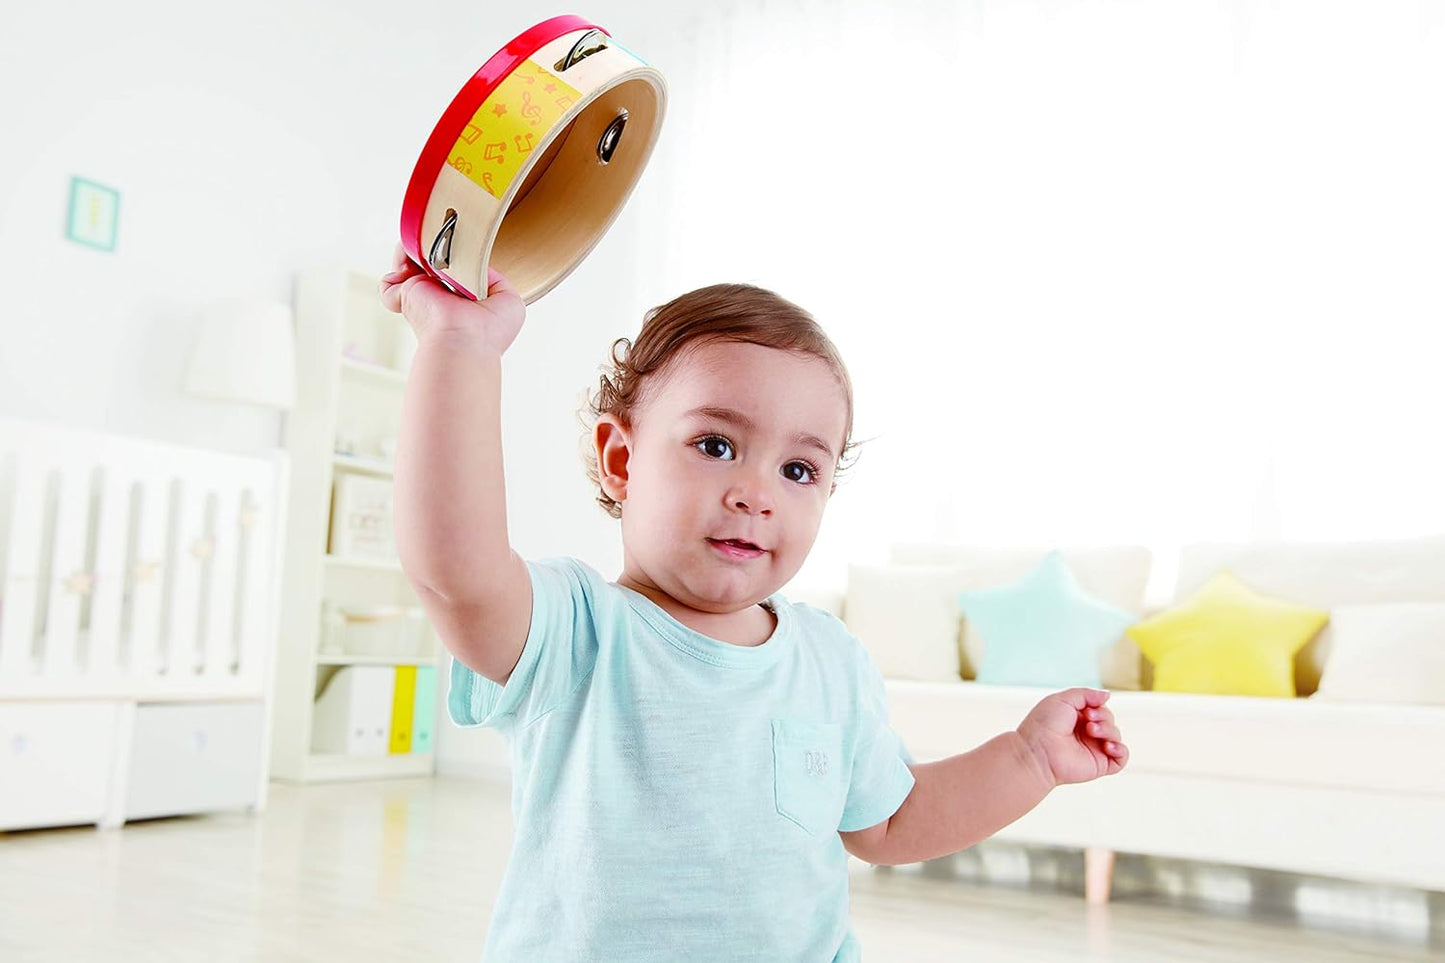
<point>1353,790</point>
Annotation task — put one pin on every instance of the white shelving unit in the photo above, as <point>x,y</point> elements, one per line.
<point>350,354</point>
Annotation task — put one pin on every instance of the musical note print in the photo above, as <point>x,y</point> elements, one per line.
<point>531,111</point>
<point>508,125</point>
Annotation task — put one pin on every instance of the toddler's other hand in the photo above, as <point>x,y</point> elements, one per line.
<point>433,311</point>
<point>1074,736</point>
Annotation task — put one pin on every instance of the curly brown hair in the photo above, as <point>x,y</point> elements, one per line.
<point>719,312</point>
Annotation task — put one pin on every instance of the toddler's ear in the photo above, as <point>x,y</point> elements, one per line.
<point>612,443</point>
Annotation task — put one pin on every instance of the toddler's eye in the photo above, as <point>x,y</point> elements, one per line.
<point>800,472</point>
<point>715,446</point>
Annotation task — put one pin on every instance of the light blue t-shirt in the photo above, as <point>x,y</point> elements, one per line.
<point>676,797</point>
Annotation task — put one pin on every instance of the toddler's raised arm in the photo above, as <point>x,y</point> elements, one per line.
<point>449,503</point>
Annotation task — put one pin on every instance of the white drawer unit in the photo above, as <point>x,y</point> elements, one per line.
<point>195,758</point>
<point>56,762</point>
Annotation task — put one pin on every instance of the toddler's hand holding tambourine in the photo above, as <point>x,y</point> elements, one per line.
<point>434,312</point>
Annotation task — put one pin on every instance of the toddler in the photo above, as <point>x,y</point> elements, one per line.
<point>693,756</point>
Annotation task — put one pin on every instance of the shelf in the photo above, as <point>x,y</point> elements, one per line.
<point>376,372</point>
<point>352,353</point>
<point>322,767</point>
<point>370,564</point>
<point>363,465</point>
<point>343,659</point>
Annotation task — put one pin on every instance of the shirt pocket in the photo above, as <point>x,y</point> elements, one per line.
<point>807,773</point>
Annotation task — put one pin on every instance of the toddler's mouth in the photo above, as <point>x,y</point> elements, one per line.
<point>736,547</point>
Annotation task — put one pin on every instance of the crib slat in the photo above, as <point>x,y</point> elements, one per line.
<point>255,622</point>
<point>147,576</point>
<point>17,620</point>
<point>110,573</point>
<point>182,623</point>
<point>70,580</point>
<point>220,599</point>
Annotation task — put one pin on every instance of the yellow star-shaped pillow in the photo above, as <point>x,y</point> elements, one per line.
<point>1227,639</point>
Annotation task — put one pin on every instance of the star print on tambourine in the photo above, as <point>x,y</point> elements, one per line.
<point>533,160</point>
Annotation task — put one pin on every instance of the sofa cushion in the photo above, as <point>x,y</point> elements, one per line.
<point>1325,575</point>
<point>1114,574</point>
<point>907,618</point>
<point>1227,639</point>
<point>1307,742</point>
<point>1043,629</point>
<point>1386,653</point>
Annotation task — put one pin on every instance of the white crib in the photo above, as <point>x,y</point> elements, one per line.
<point>138,588</point>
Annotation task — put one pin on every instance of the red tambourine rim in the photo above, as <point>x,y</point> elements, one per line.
<point>454,121</point>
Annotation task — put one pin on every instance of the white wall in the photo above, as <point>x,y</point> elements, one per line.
<point>246,142</point>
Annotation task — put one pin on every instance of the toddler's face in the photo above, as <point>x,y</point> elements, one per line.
<point>729,467</point>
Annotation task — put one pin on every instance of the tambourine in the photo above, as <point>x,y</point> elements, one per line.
<point>533,160</point>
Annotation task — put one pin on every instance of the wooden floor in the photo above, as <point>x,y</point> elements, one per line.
<point>408,870</point>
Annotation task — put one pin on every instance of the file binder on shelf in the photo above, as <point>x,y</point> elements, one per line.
<point>403,709</point>
<point>425,711</point>
<point>353,714</point>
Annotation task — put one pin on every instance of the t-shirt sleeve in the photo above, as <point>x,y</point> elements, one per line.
<point>559,653</point>
<point>880,779</point>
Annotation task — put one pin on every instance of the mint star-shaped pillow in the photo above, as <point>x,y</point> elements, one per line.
<point>1043,630</point>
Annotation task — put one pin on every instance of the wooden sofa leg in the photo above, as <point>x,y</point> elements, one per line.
<point>1098,874</point>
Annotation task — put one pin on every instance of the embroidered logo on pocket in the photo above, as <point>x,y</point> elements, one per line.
<point>808,772</point>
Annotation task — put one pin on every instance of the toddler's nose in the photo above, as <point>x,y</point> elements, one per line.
<point>743,506</point>
<point>751,498</point>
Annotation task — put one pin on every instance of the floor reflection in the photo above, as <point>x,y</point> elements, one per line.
<point>1408,916</point>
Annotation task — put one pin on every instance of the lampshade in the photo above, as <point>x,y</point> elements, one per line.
<point>245,352</point>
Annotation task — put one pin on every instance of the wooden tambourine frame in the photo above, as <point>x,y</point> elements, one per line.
<point>533,160</point>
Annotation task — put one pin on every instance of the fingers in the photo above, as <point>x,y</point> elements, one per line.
<point>408,296</point>
<point>1082,699</point>
<point>403,269</point>
<point>390,296</point>
<point>391,288</point>
<point>1100,726</point>
<point>1100,723</point>
<point>497,283</point>
<point>1103,731</point>
<point>1118,754</point>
